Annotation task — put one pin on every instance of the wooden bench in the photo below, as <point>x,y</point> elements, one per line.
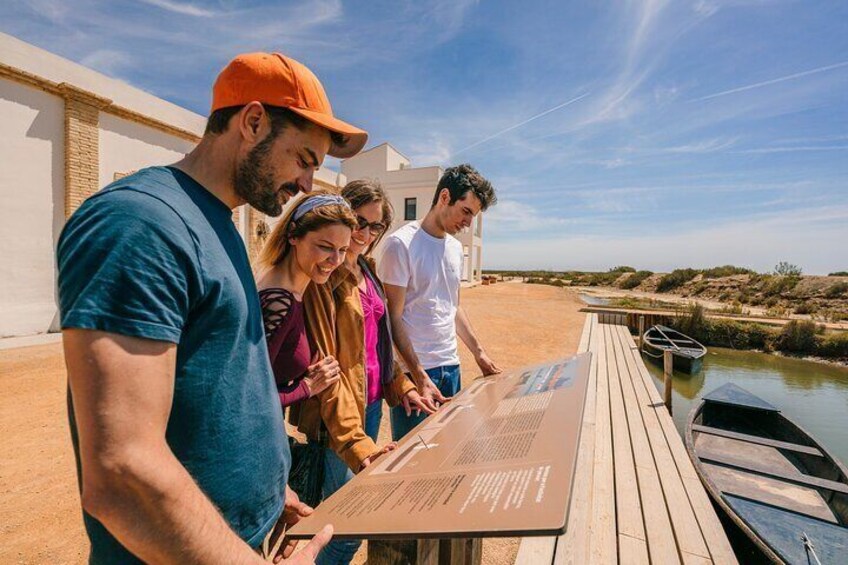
<point>636,497</point>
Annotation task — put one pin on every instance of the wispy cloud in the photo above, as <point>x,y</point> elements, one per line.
<point>509,217</point>
<point>767,150</point>
<point>705,146</point>
<point>183,8</point>
<point>108,61</point>
<point>522,123</point>
<point>772,81</point>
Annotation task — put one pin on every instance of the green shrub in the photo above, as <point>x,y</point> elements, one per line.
<point>676,278</point>
<point>726,271</point>
<point>834,345</point>
<point>805,308</point>
<point>780,285</point>
<point>797,336</point>
<point>838,274</point>
<point>700,288</point>
<point>785,269</point>
<point>771,302</point>
<point>603,279</point>
<point>837,291</point>
<point>694,322</point>
<point>622,269</point>
<point>635,279</point>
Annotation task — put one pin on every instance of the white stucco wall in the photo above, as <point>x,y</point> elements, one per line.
<point>32,204</point>
<point>128,146</point>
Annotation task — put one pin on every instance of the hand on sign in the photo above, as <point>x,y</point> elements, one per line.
<point>487,365</point>
<point>430,393</point>
<point>414,401</point>
<point>309,553</point>
<point>293,511</point>
<point>322,374</point>
<point>373,457</point>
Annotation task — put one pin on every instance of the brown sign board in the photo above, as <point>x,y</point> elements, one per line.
<point>496,461</point>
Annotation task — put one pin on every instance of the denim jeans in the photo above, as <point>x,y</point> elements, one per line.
<point>446,379</point>
<point>373,418</point>
<point>336,475</point>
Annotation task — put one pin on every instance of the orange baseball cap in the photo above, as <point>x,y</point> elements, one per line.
<point>277,80</point>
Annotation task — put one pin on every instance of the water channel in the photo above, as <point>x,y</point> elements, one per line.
<point>814,395</point>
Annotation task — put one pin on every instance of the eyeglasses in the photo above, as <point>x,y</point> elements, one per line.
<point>376,227</point>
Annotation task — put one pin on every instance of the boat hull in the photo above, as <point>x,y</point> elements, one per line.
<point>769,477</point>
<point>679,362</point>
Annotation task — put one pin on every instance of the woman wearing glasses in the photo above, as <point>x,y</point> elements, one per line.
<point>347,317</point>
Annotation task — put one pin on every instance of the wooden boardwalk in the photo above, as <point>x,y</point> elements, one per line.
<point>636,497</point>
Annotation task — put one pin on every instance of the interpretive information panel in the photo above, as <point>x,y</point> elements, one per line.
<point>497,460</point>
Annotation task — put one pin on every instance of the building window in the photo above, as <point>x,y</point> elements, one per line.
<point>410,208</point>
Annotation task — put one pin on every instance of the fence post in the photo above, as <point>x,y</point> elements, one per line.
<point>668,364</point>
<point>641,330</point>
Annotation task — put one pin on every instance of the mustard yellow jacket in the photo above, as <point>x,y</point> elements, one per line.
<point>335,324</point>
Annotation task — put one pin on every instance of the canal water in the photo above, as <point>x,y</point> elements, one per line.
<point>814,395</point>
<point>593,300</point>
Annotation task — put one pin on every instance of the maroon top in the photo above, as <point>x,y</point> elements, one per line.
<point>288,346</point>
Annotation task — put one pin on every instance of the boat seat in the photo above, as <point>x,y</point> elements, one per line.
<point>785,445</point>
<point>795,478</point>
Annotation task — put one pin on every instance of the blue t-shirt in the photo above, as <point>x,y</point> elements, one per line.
<point>155,255</point>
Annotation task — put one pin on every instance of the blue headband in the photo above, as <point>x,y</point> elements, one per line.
<point>310,203</point>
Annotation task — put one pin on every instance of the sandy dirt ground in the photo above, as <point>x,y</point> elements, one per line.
<point>40,519</point>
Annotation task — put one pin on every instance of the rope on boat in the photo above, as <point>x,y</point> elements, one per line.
<point>649,354</point>
<point>808,546</point>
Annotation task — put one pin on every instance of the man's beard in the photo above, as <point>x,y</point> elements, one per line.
<point>254,181</point>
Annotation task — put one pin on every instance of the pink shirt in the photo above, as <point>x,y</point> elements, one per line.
<point>373,309</point>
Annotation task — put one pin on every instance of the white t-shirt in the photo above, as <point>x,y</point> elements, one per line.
<point>429,267</point>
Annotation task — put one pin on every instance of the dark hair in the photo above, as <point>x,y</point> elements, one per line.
<point>365,191</point>
<point>281,118</point>
<point>464,178</point>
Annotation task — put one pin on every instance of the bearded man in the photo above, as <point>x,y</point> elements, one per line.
<point>181,452</point>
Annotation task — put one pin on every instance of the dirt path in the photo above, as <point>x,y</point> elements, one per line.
<point>40,520</point>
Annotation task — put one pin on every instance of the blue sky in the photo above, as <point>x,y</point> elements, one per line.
<point>653,133</point>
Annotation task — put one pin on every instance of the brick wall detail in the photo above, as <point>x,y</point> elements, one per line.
<point>82,145</point>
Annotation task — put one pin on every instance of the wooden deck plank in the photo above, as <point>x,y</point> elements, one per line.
<point>661,543</point>
<point>603,526</point>
<point>628,507</point>
<point>632,551</point>
<point>573,546</point>
<point>636,496</point>
<point>711,529</point>
<point>533,551</point>
<point>687,531</point>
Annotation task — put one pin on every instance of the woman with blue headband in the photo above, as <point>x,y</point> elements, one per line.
<point>302,252</point>
<point>305,247</point>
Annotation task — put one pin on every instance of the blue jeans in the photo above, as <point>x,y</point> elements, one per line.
<point>336,475</point>
<point>446,379</point>
<point>373,417</point>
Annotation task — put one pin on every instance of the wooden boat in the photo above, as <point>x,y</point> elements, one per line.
<point>777,485</point>
<point>688,354</point>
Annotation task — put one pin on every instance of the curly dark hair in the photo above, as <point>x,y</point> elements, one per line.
<point>461,179</point>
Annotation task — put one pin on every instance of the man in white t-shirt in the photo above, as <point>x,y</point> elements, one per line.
<point>420,268</point>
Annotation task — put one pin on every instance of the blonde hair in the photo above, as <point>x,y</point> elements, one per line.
<point>365,191</point>
<point>278,245</point>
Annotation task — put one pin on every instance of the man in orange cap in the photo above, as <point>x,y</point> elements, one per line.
<point>181,452</point>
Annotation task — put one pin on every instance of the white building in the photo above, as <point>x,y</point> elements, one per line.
<point>65,132</point>
<point>411,191</point>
